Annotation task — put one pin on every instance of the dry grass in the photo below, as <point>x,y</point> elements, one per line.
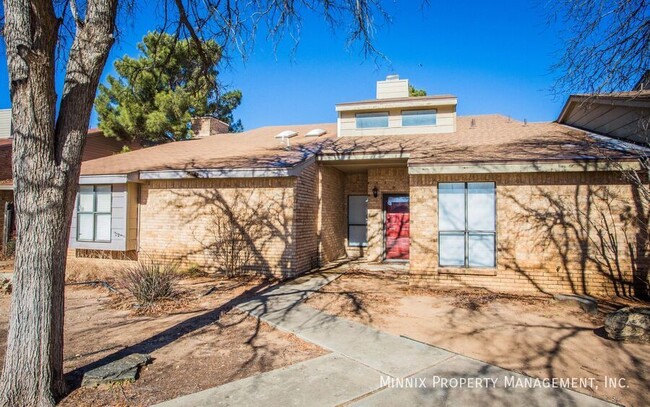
<point>165,306</point>
<point>476,298</point>
<point>5,286</point>
<point>200,347</point>
<point>81,270</point>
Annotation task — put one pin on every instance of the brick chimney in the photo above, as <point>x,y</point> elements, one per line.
<point>208,126</point>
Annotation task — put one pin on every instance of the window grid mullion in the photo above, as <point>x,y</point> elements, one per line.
<point>466,232</point>
<point>466,228</point>
<point>94,213</point>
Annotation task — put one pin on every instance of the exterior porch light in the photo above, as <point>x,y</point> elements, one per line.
<point>375,191</point>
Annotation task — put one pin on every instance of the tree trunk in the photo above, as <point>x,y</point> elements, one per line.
<point>46,163</point>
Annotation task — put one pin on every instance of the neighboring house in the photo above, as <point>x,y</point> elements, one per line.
<point>622,115</point>
<point>466,201</point>
<point>97,146</point>
<point>644,82</point>
<point>5,123</point>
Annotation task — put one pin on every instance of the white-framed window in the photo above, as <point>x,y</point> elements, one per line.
<point>357,220</point>
<point>372,120</point>
<point>94,213</point>
<point>419,117</point>
<point>467,224</point>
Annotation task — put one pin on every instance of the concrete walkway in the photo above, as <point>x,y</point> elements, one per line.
<point>367,367</point>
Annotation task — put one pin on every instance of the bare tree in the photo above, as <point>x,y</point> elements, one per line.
<point>48,141</point>
<point>606,49</point>
<point>606,46</point>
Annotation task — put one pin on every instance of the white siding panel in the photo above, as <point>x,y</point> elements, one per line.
<point>616,121</point>
<point>392,89</point>
<point>118,224</point>
<point>5,123</point>
<point>445,123</point>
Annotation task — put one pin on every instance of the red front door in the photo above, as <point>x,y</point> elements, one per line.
<point>397,239</point>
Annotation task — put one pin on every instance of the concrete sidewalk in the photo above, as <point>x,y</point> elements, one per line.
<point>367,367</point>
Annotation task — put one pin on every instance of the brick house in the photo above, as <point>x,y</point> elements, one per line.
<point>97,146</point>
<point>465,201</point>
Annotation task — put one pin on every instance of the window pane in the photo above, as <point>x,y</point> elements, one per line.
<point>103,198</point>
<point>103,228</point>
<point>452,249</point>
<point>480,206</point>
<point>86,198</point>
<point>451,204</point>
<point>357,236</point>
<point>481,250</point>
<point>85,226</point>
<point>419,118</point>
<point>370,120</point>
<point>357,210</point>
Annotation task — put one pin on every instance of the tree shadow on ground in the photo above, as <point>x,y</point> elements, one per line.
<point>263,293</point>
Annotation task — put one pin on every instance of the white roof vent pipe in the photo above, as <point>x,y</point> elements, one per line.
<point>392,77</point>
<point>315,133</point>
<point>284,137</point>
<point>286,134</point>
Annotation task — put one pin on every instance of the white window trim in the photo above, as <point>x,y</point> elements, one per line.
<point>415,112</point>
<point>94,212</point>
<point>466,232</point>
<point>371,114</point>
<point>357,224</point>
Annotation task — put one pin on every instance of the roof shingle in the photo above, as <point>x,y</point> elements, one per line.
<point>493,138</point>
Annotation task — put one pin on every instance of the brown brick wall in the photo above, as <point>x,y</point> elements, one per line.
<point>306,219</point>
<point>556,232</point>
<point>178,219</point>
<point>332,214</point>
<point>5,196</point>
<point>5,159</point>
<point>356,183</point>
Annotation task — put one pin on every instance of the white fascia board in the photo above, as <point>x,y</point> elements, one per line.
<point>6,187</point>
<point>228,172</point>
<point>614,143</point>
<point>486,168</point>
<point>352,156</point>
<point>397,104</point>
<point>108,179</point>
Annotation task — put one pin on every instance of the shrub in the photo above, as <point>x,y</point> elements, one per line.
<point>150,280</point>
<point>194,270</point>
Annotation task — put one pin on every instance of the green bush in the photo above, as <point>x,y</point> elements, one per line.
<point>150,280</point>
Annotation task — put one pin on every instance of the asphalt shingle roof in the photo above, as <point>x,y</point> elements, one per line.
<point>492,139</point>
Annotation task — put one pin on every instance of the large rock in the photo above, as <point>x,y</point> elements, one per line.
<point>630,324</point>
<point>121,370</point>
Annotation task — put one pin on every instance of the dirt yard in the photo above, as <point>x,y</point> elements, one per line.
<point>195,345</point>
<point>531,335</point>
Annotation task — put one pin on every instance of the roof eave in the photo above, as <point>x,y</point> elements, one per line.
<point>388,103</point>
<point>587,165</point>
<point>211,173</point>
<point>95,179</point>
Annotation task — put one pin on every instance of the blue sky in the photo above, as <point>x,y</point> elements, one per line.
<point>495,56</point>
